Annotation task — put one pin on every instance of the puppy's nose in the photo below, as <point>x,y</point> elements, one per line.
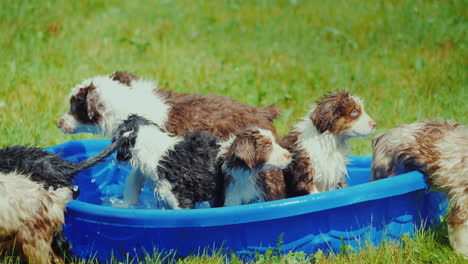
<point>60,123</point>
<point>372,124</point>
<point>287,155</point>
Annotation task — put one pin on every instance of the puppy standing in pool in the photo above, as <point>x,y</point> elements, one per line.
<point>439,149</point>
<point>319,143</point>
<point>201,167</point>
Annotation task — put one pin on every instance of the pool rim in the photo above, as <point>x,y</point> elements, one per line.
<point>156,218</point>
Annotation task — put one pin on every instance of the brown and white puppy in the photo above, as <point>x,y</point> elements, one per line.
<point>29,220</point>
<point>252,163</point>
<point>99,104</point>
<point>438,149</point>
<point>318,143</point>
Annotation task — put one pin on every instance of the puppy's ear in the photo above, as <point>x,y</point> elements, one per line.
<point>92,102</point>
<point>323,117</point>
<point>376,140</point>
<point>244,150</point>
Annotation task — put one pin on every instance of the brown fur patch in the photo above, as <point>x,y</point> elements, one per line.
<point>249,150</point>
<point>33,241</point>
<point>333,112</point>
<point>218,115</point>
<point>457,217</point>
<point>273,184</point>
<point>299,174</point>
<point>421,155</point>
<point>84,106</point>
<point>124,77</point>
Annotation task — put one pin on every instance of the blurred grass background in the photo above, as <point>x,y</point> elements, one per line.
<point>407,59</point>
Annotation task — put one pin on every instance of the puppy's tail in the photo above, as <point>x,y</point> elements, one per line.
<point>271,111</point>
<point>90,162</point>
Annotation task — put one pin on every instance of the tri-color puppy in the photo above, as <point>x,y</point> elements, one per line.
<point>200,167</point>
<point>35,186</point>
<point>319,143</point>
<point>438,149</point>
<point>100,104</point>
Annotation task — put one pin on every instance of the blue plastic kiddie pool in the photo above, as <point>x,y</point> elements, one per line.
<point>360,214</point>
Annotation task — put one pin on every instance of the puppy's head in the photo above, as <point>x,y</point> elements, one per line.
<point>340,114</point>
<point>255,149</point>
<point>85,111</point>
<point>93,103</point>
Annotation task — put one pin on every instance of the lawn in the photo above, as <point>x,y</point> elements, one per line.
<point>407,59</point>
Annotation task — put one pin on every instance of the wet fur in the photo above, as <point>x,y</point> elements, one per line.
<point>187,170</point>
<point>100,104</point>
<point>319,144</point>
<point>32,218</point>
<point>30,168</point>
<point>438,149</point>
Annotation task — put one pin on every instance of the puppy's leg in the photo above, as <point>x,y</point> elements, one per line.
<point>164,190</point>
<point>34,246</point>
<point>383,167</point>
<point>61,247</point>
<point>133,185</point>
<point>458,230</point>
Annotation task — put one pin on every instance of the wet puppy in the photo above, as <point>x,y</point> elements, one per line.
<point>438,149</point>
<point>31,218</point>
<point>251,167</point>
<point>47,168</point>
<point>100,104</point>
<point>191,169</point>
<point>319,143</point>
<point>35,186</point>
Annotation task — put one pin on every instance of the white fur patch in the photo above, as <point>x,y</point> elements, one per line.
<point>133,186</point>
<point>163,189</point>
<point>117,101</point>
<point>459,239</point>
<point>224,146</point>
<point>243,189</point>
<point>327,153</point>
<point>279,157</point>
<point>151,146</point>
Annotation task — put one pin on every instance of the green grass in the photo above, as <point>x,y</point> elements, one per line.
<point>407,59</point>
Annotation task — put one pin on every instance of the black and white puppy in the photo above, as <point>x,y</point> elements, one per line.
<point>48,168</point>
<point>193,168</point>
<point>35,186</point>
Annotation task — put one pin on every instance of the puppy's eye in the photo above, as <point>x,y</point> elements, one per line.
<point>73,108</point>
<point>354,113</point>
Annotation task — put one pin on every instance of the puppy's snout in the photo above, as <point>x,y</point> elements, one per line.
<point>60,123</point>
<point>75,191</point>
<point>372,124</point>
